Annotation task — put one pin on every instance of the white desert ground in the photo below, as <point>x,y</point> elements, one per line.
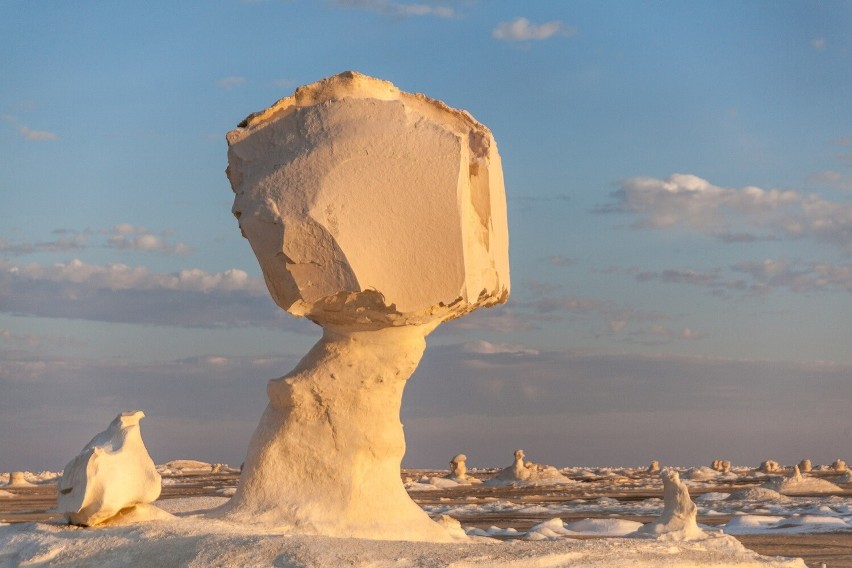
<point>583,517</point>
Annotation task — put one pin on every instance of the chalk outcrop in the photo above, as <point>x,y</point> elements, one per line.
<point>528,473</point>
<point>805,466</point>
<point>18,479</point>
<point>377,214</point>
<point>458,467</point>
<point>654,467</point>
<point>770,466</point>
<point>113,473</point>
<point>798,484</point>
<point>679,516</point>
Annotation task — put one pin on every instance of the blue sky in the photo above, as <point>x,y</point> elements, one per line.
<point>679,177</point>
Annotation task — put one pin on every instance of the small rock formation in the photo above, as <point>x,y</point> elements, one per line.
<point>770,466</point>
<point>797,484</point>
<point>377,214</point>
<point>701,473</point>
<point>722,466</point>
<point>112,473</point>
<point>458,468</point>
<point>654,467</point>
<point>679,512</point>
<point>518,471</point>
<point>839,465</point>
<point>18,479</point>
<point>527,473</point>
<point>805,465</point>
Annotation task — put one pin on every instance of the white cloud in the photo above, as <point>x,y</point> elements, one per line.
<point>123,294</point>
<point>402,9</point>
<point>692,203</point>
<point>36,135</point>
<point>521,29</point>
<point>123,277</point>
<point>818,43</point>
<point>127,237</point>
<point>230,82</point>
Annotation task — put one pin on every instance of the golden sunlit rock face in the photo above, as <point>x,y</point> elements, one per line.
<point>377,214</point>
<point>365,204</point>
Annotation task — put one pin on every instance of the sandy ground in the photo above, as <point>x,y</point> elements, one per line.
<point>834,550</point>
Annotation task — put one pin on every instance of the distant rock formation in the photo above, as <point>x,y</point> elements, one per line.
<point>805,465</point>
<point>527,473</point>
<point>797,484</point>
<point>18,479</point>
<point>112,473</point>
<point>722,466</point>
<point>654,467</point>
<point>839,465</point>
<point>770,466</point>
<point>458,468</point>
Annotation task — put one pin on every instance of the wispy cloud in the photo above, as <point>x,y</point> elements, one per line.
<point>760,277</point>
<point>832,178</point>
<point>230,82</point>
<point>521,29</point>
<point>402,9</point>
<point>818,43</point>
<point>558,260</point>
<point>487,348</point>
<point>36,135</point>
<point>122,236</point>
<point>691,203</point>
<point>128,237</point>
<point>28,133</point>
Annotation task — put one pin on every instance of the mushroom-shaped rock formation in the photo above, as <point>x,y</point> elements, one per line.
<point>654,467</point>
<point>113,473</point>
<point>458,468</point>
<point>377,214</point>
<point>839,465</point>
<point>679,512</point>
<point>805,465</point>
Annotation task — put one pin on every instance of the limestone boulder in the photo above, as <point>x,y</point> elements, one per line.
<point>113,473</point>
<point>366,205</point>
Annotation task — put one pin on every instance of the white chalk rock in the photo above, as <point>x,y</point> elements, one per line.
<point>528,473</point>
<point>112,473</point>
<point>679,512</point>
<point>18,479</point>
<point>654,467</point>
<point>377,214</point>
<point>458,468</point>
<point>365,204</point>
<point>798,484</point>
